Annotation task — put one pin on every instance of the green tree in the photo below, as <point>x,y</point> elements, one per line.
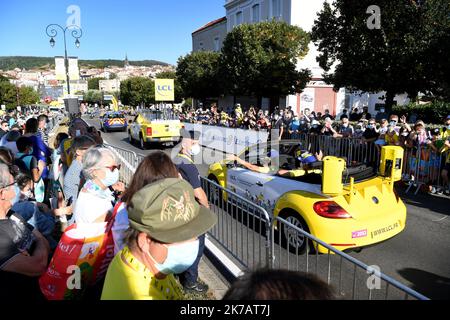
<point>261,60</point>
<point>93,96</point>
<point>8,95</point>
<point>137,90</point>
<point>93,83</point>
<point>172,75</point>
<point>197,75</point>
<point>27,96</point>
<point>3,78</point>
<point>394,58</point>
<point>112,76</point>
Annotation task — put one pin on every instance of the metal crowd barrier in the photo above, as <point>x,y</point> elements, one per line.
<point>243,228</point>
<point>354,150</point>
<point>254,238</point>
<point>128,160</point>
<point>349,277</point>
<point>423,167</point>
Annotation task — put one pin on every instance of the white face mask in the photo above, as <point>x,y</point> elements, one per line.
<point>195,150</point>
<point>179,257</point>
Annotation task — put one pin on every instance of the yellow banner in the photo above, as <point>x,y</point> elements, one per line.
<point>164,90</point>
<point>115,104</point>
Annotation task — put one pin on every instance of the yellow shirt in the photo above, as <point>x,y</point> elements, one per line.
<point>137,282</point>
<point>66,146</point>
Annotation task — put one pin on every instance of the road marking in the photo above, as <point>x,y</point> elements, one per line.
<point>443,218</point>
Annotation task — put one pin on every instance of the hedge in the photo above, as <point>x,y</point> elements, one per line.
<point>434,112</point>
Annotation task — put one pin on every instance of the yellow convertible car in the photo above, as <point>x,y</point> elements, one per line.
<point>344,207</point>
<point>154,127</point>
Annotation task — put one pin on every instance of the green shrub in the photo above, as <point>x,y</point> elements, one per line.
<point>434,112</point>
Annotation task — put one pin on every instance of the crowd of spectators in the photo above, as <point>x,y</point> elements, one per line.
<point>379,129</point>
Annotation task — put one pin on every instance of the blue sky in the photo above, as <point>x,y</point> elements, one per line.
<point>143,29</point>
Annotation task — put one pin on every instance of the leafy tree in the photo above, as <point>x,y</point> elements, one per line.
<point>93,96</point>
<point>112,76</point>
<point>172,75</point>
<point>3,78</point>
<point>197,75</point>
<point>137,90</point>
<point>261,60</point>
<point>396,58</point>
<point>27,96</point>
<point>93,83</point>
<point>8,94</point>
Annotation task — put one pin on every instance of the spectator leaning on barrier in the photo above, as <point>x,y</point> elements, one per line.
<point>328,129</point>
<point>188,170</point>
<point>271,284</point>
<point>346,129</point>
<point>165,222</point>
<point>371,134</point>
<point>23,250</point>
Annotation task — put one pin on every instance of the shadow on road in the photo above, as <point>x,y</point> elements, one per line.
<point>429,284</point>
<point>439,204</point>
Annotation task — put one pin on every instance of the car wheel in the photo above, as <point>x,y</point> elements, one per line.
<point>292,240</point>
<point>142,143</point>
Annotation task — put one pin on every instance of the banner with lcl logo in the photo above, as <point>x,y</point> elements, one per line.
<point>164,90</point>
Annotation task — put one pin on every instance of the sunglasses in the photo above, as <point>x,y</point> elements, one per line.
<point>112,168</point>
<point>8,185</point>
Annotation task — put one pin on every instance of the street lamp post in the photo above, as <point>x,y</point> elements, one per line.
<point>76,32</point>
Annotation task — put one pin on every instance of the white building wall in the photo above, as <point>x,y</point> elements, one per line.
<point>205,39</point>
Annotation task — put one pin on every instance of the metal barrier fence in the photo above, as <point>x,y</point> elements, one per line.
<point>255,239</point>
<point>128,160</point>
<point>354,150</point>
<point>423,168</point>
<point>237,216</point>
<point>349,277</point>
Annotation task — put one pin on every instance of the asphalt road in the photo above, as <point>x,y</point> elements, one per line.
<point>419,257</point>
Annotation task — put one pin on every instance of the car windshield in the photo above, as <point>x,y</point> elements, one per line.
<point>159,115</point>
<point>115,116</point>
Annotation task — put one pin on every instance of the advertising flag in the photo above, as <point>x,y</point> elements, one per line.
<point>164,90</point>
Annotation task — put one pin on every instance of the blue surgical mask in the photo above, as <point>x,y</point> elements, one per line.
<point>30,151</point>
<point>17,197</point>
<point>179,257</point>
<point>111,178</point>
